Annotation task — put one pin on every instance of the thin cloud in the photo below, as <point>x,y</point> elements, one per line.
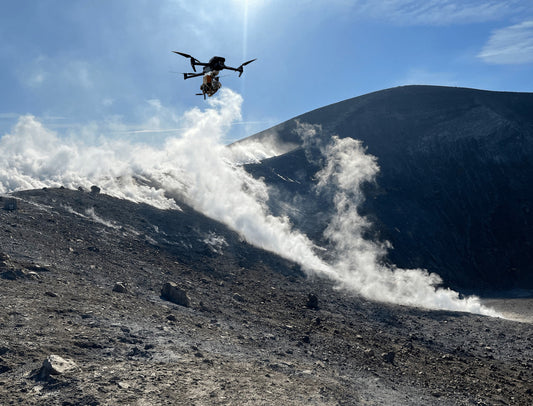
<point>54,71</point>
<point>510,46</point>
<point>437,12</point>
<point>168,130</point>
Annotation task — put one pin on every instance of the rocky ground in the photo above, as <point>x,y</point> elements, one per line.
<point>81,279</point>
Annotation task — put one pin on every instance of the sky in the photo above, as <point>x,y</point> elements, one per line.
<point>78,65</point>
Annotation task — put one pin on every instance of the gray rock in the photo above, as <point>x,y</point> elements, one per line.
<point>120,288</point>
<point>174,294</point>
<point>312,301</point>
<point>171,317</point>
<point>13,274</point>
<point>56,365</point>
<point>388,357</point>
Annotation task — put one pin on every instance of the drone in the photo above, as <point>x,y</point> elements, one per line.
<point>211,69</point>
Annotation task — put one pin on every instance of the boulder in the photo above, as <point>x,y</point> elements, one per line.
<point>171,317</point>
<point>388,357</point>
<point>56,365</point>
<point>12,274</point>
<point>120,288</point>
<point>312,301</point>
<point>174,294</point>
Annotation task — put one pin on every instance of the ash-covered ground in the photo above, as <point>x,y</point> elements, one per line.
<point>81,279</point>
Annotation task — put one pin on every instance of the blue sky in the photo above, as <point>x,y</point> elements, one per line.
<point>108,64</point>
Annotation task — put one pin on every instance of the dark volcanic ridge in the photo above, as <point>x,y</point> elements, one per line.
<point>85,321</point>
<point>453,194</point>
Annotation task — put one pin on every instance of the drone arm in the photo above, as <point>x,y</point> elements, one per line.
<point>191,75</point>
<point>230,68</point>
<point>240,68</point>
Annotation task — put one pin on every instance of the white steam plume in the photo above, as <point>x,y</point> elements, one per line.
<point>195,165</point>
<point>35,157</point>
<point>359,263</point>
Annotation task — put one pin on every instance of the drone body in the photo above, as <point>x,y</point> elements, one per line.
<point>210,72</point>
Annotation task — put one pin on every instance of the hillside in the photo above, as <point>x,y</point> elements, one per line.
<point>453,194</point>
<point>82,276</point>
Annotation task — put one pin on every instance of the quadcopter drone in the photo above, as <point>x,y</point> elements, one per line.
<point>210,72</point>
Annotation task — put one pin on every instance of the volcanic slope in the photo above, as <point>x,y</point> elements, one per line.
<point>81,278</point>
<point>453,194</point>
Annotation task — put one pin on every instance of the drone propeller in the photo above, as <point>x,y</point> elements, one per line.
<point>194,61</point>
<point>240,68</point>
